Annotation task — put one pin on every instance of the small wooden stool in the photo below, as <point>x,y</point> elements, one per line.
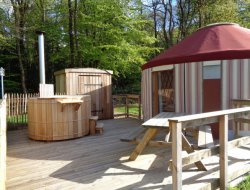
<point>92,124</point>
<point>99,128</point>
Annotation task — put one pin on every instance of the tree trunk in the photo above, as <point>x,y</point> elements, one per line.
<point>19,9</point>
<point>154,6</point>
<point>71,35</point>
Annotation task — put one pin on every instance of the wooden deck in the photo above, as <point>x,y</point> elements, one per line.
<point>101,162</point>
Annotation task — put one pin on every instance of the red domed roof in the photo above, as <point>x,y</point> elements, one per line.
<point>213,42</point>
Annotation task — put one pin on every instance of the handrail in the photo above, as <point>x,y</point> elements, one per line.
<point>178,123</point>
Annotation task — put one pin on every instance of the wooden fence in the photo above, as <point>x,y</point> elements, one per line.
<point>178,123</point>
<point>124,106</point>
<point>17,108</point>
<point>3,144</point>
<point>128,105</point>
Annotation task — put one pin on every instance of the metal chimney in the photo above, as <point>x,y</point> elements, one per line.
<point>2,74</point>
<point>41,56</point>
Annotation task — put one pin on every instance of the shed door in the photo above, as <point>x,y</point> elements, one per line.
<point>212,90</point>
<point>92,85</point>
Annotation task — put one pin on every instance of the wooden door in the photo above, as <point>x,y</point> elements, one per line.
<point>166,91</point>
<point>92,85</point>
<point>212,92</point>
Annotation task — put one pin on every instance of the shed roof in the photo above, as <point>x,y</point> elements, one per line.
<point>83,70</point>
<point>214,42</point>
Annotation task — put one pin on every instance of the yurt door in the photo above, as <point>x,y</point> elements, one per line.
<point>92,85</point>
<point>164,89</point>
<point>212,90</point>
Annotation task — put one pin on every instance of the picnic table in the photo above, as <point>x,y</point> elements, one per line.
<point>152,128</point>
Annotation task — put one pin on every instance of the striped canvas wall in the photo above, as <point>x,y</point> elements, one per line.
<point>235,83</point>
<point>179,87</point>
<point>193,88</point>
<point>146,95</point>
<point>188,86</point>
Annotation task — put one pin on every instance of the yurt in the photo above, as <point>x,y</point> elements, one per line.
<point>202,73</point>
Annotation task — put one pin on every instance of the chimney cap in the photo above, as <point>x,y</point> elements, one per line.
<point>40,32</point>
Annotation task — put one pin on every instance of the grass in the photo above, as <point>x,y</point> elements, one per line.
<point>18,119</point>
<point>244,185</point>
<point>132,110</point>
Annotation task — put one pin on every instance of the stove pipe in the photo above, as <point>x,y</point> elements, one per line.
<point>41,56</point>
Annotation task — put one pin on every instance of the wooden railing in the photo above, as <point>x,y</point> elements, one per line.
<point>3,144</point>
<point>178,123</point>
<point>237,103</point>
<point>128,105</point>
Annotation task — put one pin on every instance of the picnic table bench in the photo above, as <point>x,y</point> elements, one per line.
<point>160,123</point>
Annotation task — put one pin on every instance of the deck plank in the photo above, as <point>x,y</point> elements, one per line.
<point>100,162</point>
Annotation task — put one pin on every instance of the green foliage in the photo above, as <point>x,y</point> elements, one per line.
<point>244,185</point>
<point>112,34</point>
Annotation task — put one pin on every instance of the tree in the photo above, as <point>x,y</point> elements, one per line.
<point>71,35</point>
<point>106,34</point>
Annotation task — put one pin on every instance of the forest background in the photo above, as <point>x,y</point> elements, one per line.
<point>118,35</point>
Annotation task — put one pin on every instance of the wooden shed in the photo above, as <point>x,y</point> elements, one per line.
<point>202,73</point>
<point>88,81</point>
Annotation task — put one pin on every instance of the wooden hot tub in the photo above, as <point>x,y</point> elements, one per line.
<point>58,117</point>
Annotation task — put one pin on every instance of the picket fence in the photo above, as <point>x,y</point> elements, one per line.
<point>17,108</point>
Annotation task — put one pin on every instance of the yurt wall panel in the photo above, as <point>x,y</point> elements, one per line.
<point>179,88</point>
<point>235,82</point>
<point>147,94</point>
<point>193,88</point>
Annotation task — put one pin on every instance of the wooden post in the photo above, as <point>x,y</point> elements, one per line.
<point>223,131</point>
<point>126,107</point>
<point>139,108</point>
<point>236,124</point>
<point>176,155</point>
<point>155,94</point>
<point>3,146</point>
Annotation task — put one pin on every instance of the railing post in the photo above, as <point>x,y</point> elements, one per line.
<point>139,103</point>
<point>223,132</point>
<point>126,107</point>
<point>176,155</point>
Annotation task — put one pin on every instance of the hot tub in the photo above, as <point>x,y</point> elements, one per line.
<point>58,117</point>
